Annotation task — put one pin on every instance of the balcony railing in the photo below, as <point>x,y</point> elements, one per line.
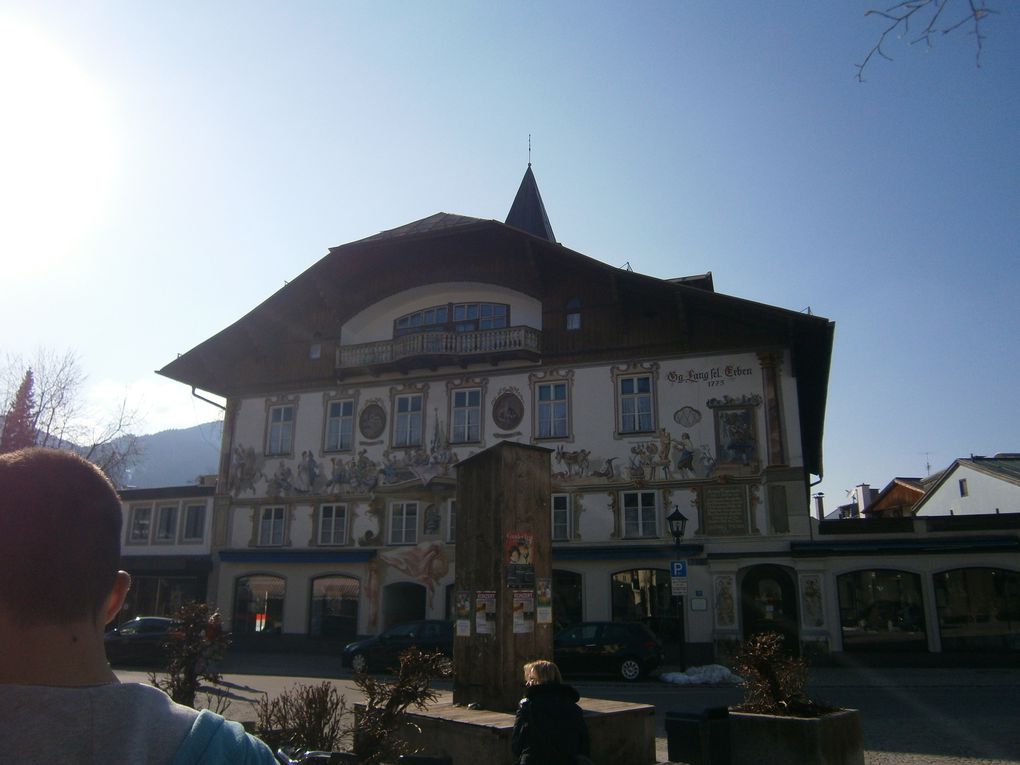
<point>486,342</point>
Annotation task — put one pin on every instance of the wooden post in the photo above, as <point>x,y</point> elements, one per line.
<point>504,550</point>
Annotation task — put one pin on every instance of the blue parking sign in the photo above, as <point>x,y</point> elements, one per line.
<point>678,568</point>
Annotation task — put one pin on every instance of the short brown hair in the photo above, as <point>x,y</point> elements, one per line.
<point>544,672</point>
<point>60,523</point>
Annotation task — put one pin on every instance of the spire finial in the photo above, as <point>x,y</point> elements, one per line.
<point>529,149</point>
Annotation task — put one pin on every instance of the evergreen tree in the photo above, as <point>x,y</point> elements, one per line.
<point>19,424</point>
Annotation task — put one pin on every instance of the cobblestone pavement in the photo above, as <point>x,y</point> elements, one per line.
<point>915,716</point>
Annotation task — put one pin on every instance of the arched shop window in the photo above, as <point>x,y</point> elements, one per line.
<point>643,595</point>
<point>881,610</point>
<point>334,607</point>
<point>258,604</point>
<point>568,597</point>
<point>978,609</point>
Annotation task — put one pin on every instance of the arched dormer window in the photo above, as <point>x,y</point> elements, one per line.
<point>573,314</point>
<point>454,317</point>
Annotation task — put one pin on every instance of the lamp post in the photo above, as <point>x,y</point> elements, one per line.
<point>677,527</point>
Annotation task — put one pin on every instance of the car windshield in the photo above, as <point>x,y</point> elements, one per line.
<point>402,630</point>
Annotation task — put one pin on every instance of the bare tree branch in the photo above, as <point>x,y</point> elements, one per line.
<point>929,14</point>
<point>62,420</point>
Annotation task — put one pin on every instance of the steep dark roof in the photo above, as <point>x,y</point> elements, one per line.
<point>527,212</point>
<point>441,221</point>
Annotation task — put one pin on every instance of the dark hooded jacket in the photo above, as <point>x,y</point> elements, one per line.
<point>550,728</point>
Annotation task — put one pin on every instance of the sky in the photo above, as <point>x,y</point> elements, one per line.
<point>165,167</point>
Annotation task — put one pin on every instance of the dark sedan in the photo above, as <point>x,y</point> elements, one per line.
<point>141,640</point>
<point>627,649</point>
<point>383,650</point>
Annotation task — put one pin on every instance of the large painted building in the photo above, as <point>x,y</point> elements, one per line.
<point>353,392</point>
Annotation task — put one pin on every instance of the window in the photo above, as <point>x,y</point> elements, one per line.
<point>194,522</point>
<point>280,438</point>
<point>432,319</point>
<point>978,609</point>
<point>403,523</point>
<point>552,410</point>
<point>334,610</point>
<point>469,317</point>
<point>636,404</point>
<point>881,609</point>
<point>454,317</point>
<point>258,604</point>
<point>166,524</point>
<point>963,487</point>
<point>333,525</point>
<point>339,425</point>
<point>141,518</point>
<point>573,314</point>
<point>467,416</point>
<point>639,514</point>
<point>407,425</point>
<point>451,524</point>
<point>560,516</point>
<point>271,526</point>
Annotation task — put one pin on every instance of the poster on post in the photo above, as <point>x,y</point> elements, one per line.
<point>485,612</point>
<point>520,568</point>
<point>463,612</point>
<point>524,612</point>
<point>543,597</point>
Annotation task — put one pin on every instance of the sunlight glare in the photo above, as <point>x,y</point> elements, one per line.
<point>56,150</point>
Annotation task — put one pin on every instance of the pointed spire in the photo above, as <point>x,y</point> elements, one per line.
<point>527,212</point>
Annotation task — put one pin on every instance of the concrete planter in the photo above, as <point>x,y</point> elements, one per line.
<point>832,739</point>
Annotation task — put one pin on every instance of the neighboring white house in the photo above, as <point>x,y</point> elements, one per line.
<point>975,486</point>
<point>166,546</point>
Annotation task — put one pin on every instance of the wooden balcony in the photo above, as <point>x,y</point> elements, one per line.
<point>431,350</point>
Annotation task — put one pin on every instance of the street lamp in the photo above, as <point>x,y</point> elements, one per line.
<point>677,524</point>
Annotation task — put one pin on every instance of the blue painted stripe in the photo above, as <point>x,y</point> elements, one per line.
<point>296,556</point>
<point>622,552</point>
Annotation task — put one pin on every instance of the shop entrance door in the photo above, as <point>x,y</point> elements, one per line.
<point>769,604</point>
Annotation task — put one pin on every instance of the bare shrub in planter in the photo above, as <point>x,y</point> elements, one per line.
<point>775,682</point>
<point>305,717</point>
<point>778,722</point>
<point>382,719</point>
<point>194,652</point>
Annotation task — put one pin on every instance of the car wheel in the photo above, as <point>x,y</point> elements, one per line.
<point>630,669</point>
<point>359,663</point>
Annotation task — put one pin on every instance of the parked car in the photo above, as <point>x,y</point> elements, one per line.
<point>383,650</point>
<point>627,649</point>
<point>141,640</point>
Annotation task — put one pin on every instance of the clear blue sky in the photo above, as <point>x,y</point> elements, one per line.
<point>175,163</point>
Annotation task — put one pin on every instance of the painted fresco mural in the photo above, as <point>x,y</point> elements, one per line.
<point>700,438</point>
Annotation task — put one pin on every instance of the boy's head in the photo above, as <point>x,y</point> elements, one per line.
<point>60,523</point>
<point>541,672</point>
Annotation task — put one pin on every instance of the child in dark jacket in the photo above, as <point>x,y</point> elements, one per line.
<point>550,728</point>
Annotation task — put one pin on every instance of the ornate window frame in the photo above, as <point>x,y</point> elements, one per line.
<point>460,385</point>
<point>336,397</point>
<point>317,521</point>
<point>256,524</point>
<point>551,377</point>
<point>403,505</point>
<point>279,402</point>
<point>400,391</point>
<point>621,372</point>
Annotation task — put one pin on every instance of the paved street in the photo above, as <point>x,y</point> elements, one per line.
<point>925,716</point>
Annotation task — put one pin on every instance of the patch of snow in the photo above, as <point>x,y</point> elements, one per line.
<point>710,674</point>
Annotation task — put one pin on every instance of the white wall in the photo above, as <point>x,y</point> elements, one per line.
<point>985,494</point>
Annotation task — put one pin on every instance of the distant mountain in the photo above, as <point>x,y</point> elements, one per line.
<point>177,457</point>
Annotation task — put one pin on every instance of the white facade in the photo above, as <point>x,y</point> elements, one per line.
<point>967,489</point>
